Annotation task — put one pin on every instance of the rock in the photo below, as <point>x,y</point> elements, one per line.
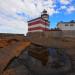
<point>20,70</point>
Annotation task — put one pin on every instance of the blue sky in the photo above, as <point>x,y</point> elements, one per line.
<point>61,17</point>
<point>14,14</point>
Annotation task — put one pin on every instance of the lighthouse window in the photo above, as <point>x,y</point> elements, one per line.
<point>66,24</point>
<point>71,25</point>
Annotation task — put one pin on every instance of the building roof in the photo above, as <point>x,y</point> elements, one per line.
<point>36,19</point>
<point>72,21</point>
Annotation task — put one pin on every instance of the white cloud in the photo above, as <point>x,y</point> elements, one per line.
<point>71,9</point>
<point>37,6</point>
<point>9,19</point>
<point>65,2</point>
<point>50,2</point>
<point>15,26</point>
<point>67,9</point>
<point>63,7</point>
<point>52,11</point>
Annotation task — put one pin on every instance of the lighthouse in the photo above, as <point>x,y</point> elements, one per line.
<point>39,24</point>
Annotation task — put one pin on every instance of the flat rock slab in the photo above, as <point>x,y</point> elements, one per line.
<point>28,65</point>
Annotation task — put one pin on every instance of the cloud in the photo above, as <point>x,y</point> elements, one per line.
<point>49,5</point>
<point>63,7</point>
<point>50,2</point>
<point>52,11</point>
<point>65,1</point>
<point>30,7</point>
<point>71,9</point>
<point>17,26</point>
<point>9,19</point>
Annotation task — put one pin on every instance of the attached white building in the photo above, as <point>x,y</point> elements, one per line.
<point>66,25</point>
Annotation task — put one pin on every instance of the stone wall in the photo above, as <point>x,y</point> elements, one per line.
<point>53,33</point>
<point>57,39</point>
<point>68,33</point>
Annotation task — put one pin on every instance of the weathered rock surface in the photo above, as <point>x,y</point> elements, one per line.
<point>10,48</point>
<point>26,64</point>
<point>35,59</point>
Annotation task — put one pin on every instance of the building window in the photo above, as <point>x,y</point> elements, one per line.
<point>66,25</point>
<point>71,25</point>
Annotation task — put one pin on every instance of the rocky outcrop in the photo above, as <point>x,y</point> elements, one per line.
<point>9,49</point>
<point>29,63</point>
<point>35,58</point>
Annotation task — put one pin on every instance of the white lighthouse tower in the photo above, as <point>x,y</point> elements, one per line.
<point>39,24</point>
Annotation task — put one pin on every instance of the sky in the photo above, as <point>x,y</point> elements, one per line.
<point>14,14</point>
